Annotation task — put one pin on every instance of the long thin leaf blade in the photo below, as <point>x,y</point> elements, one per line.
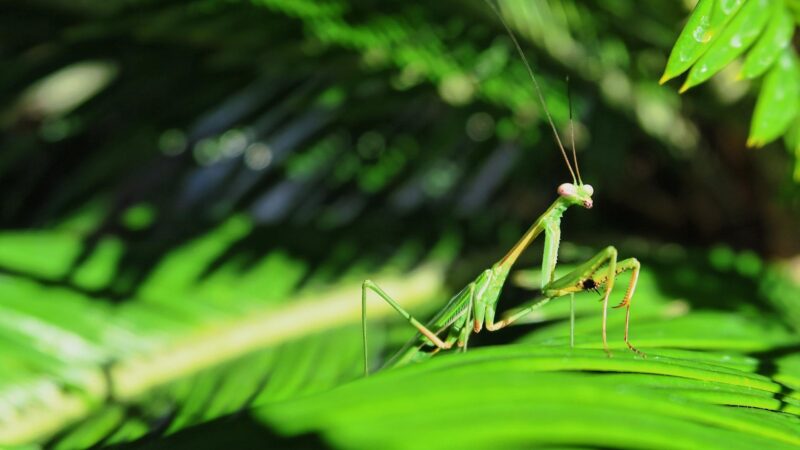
<point>704,25</point>
<point>737,37</point>
<point>770,45</point>
<point>778,101</point>
<point>484,398</point>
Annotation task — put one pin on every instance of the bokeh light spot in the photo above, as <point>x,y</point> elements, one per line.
<point>721,257</point>
<point>748,263</point>
<point>138,217</point>
<point>233,142</point>
<point>457,89</point>
<point>480,126</point>
<point>206,151</point>
<point>257,156</point>
<point>67,88</point>
<point>172,142</point>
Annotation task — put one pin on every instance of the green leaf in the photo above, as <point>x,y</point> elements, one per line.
<point>775,38</point>
<point>793,138</point>
<point>778,101</point>
<point>508,396</point>
<point>64,354</point>
<point>97,428</point>
<point>98,271</point>
<point>47,255</point>
<point>737,37</point>
<point>703,27</point>
<point>706,330</point>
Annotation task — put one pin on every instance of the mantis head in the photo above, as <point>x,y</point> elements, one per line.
<point>577,194</point>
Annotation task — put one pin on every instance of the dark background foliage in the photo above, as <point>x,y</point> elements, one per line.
<point>207,68</point>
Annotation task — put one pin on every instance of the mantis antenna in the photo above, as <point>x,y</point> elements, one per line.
<point>535,84</point>
<point>572,131</point>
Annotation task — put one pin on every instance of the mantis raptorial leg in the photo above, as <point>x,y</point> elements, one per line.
<point>475,306</point>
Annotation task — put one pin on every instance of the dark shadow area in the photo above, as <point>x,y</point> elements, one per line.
<point>239,431</point>
<point>768,367</point>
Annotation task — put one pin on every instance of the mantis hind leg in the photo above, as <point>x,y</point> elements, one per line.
<point>633,265</point>
<point>369,285</point>
<point>585,277</point>
<point>607,276</point>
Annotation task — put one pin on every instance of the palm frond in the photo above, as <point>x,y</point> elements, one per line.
<point>67,354</point>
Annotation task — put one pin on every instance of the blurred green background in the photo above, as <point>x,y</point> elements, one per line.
<point>192,193</point>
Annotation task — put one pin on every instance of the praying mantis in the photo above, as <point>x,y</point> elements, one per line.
<point>475,306</point>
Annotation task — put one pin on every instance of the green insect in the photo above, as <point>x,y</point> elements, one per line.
<point>475,306</point>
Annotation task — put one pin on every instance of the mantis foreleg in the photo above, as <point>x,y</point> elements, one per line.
<point>463,336</point>
<point>552,240</point>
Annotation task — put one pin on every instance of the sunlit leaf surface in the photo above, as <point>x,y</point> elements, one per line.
<point>778,102</point>
<point>718,32</point>
<point>770,45</point>
<point>734,40</point>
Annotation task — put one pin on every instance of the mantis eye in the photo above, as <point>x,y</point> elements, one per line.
<point>566,189</point>
<point>589,189</point>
